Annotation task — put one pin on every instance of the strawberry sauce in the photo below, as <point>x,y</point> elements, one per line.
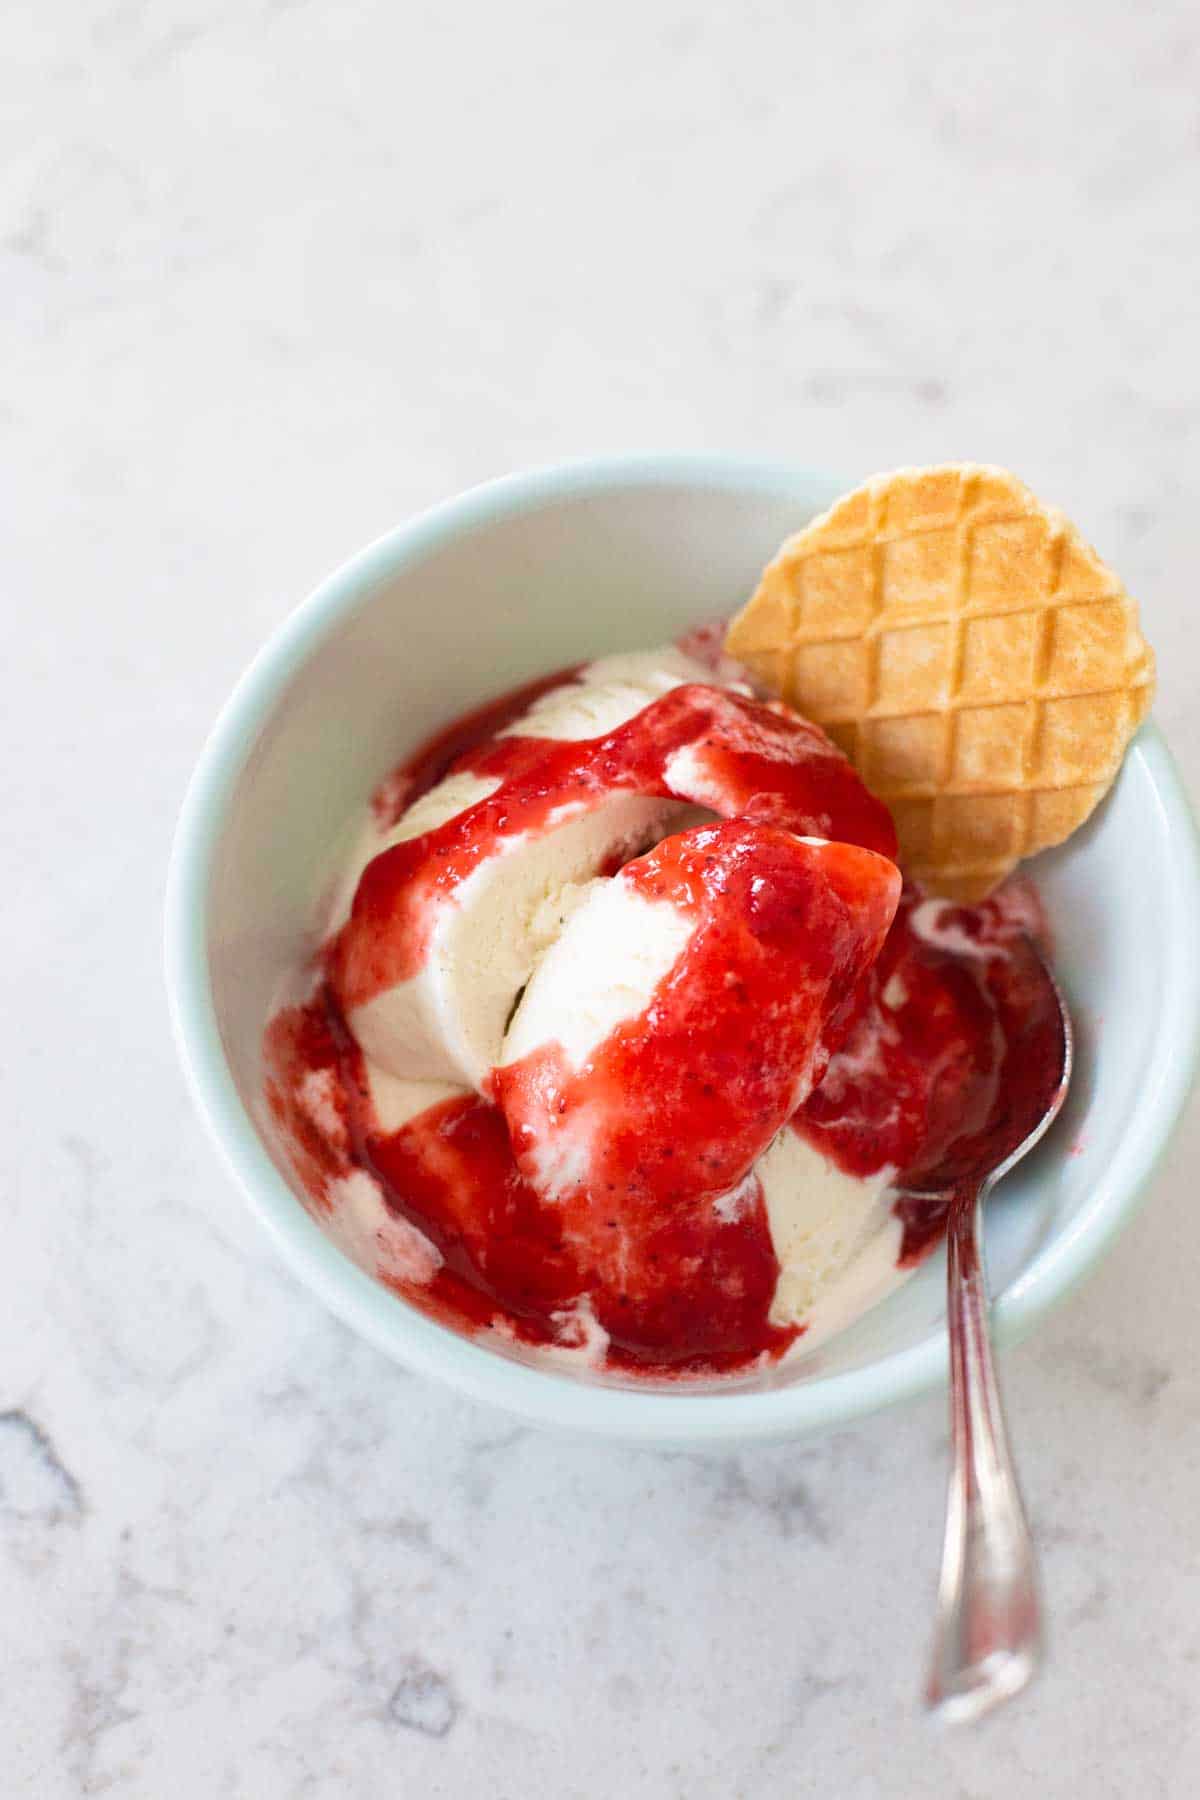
<point>952,1051</point>
<point>695,1300</point>
<point>675,1106</point>
<point>695,743</point>
<point>782,989</point>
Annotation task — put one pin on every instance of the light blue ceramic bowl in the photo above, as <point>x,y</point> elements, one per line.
<point>521,576</point>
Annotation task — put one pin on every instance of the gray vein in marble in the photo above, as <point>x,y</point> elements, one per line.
<point>414,1534</point>
<point>483,1460</point>
<point>32,239</point>
<point>102,1672</point>
<point>96,1709</point>
<point>1093,1606</point>
<point>34,1481</point>
<point>782,1497</point>
<point>423,1700</point>
<point>806,1697</point>
<point>1111,1367</point>
<point>833,387</point>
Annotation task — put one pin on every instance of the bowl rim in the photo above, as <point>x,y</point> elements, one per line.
<point>546,1395</point>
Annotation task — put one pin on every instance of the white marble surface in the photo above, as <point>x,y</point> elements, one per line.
<point>280,274</point>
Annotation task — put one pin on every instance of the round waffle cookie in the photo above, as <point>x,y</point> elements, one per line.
<point>975,659</point>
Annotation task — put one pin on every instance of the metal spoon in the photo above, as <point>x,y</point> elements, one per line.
<point>987,1637</point>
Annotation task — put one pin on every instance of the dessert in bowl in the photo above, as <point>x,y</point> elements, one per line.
<point>476,1000</point>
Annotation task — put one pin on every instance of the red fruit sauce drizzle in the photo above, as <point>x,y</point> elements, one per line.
<point>437,755</point>
<point>747,760</point>
<point>676,1104</point>
<point>506,1260</point>
<point>953,1047</point>
<point>950,1017</point>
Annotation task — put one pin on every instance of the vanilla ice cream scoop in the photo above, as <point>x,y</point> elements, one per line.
<point>603,973</point>
<point>680,1018</point>
<point>453,911</point>
<point>492,896</point>
<point>590,971</point>
<point>445,1021</point>
<point>622,1032</point>
<point>822,1221</point>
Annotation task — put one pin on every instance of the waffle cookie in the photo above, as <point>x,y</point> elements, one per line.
<point>975,659</point>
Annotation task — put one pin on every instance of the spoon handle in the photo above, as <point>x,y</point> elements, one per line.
<point>987,1635</point>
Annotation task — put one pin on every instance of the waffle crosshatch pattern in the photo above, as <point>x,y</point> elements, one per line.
<point>972,655</point>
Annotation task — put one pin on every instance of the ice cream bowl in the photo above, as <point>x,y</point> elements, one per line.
<point>499,585</point>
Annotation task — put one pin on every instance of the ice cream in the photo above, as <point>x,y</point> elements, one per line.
<point>440,1015</point>
<point>460,898</point>
<point>677,1022</point>
<point>613,1023</point>
<point>673,1029</point>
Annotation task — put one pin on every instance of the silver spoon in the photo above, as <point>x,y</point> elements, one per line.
<point>987,1636</point>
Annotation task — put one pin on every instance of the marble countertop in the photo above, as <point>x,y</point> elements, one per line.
<point>277,275</point>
